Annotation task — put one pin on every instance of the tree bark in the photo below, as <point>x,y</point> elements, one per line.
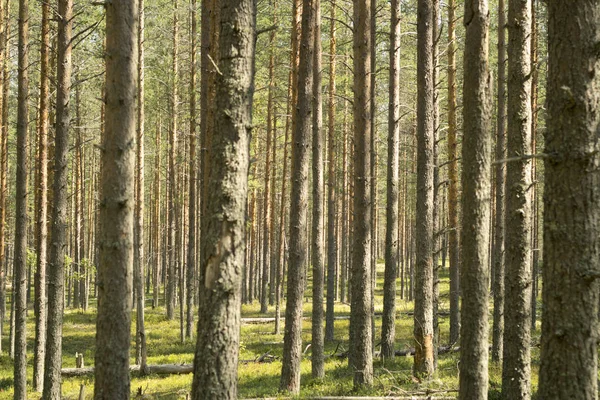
<point>318,257</point>
<point>569,356</point>
<point>4,33</point>
<point>301,130</point>
<point>115,266</point>
<point>139,256</point>
<point>56,262</point>
<point>476,159</point>
<point>500,168</point>
<point>223,233</point>
<point>42,206</point>
<point>361,357</point>
<point>388,325</point>
<point>20,257</point>
<point>423,318</point>
<point>332,245</point>
<point>516,369</point>
<point>453,178</point>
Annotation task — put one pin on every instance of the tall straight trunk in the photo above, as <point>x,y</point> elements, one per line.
<point>373,166</point>
<point>115,268</point>
<point>268,287</point>
<point>516,371</point>
<point>76,196</point>
<point>534,170</point>
<point>436,181</point>
<point>223,240</point>
<point>173,213</point>
<point>191,255</point>
<point>453,177</point>
<point>139,256</point>
<point>361,342</point>
<point>41,226</point>
<point>388,324</point>
<point>4,33</point>
<point>158,226</point>
<point>476,157</point>
<point>423,317</point>
<point>301,130</point>
<point>56,262</point>
<point>345,205</point>
<point>317,256</point>
<point>569,353</point>
<point>20,257</point>
<point>500,168</point>
<point>332,245</point>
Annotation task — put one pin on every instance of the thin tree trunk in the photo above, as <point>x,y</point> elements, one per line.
<point>317,360</point>
<point>56,262</point>
<point>191,256</point>
<point>516,371</point>
<point>476,158</point>
<point>388,324</point>
<point>115,269</point>
<point>20,259</point>
<point>172,204</point>
<point>498,288</point>
<point>453,177</point>
<point>4,33</point>
<point>301,129</point>
<point>569,352</point>
<point>139,256</point>
<point>42,206</point>
<point>361,340</point>
<point>423,318</point>
<point>157,222</point>
<point>332,245</point>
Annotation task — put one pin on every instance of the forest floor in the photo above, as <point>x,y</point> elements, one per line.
<point>259,380</point>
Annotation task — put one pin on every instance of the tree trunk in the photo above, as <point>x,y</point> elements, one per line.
<point>115,268</point>
<point>516,369</point>
<point>317,360</point>
<point>171,293</point>
<point>332,247</point>
<point>20,259</point>
<point>42,206</point>
<point>476,157</point>
<point>56,262</point>
<point>453,178</point>
<point>500,168</point>
<point>361,358</point>
<point>191,255</point>
<point>4,33</point>
<point>569,353</point>
<point>223,232</point>
<point>139,256</point>
<point>423,318</point>
<point>388,324</point>
<point>301,128</point>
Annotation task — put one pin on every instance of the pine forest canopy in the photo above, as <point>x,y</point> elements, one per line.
<point>211,198</point>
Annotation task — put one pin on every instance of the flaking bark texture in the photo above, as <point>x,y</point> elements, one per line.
<point>388,324</point>
<point>361,342</point>
<point>476,159</point>
<point>569,353</point>
<point>298,242</point>
<point>224,238</point>
<point>115,267</point>
<point>56,262</point>
<point>423,317</point>
<point>516,371</point>
<point>20,255</point>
